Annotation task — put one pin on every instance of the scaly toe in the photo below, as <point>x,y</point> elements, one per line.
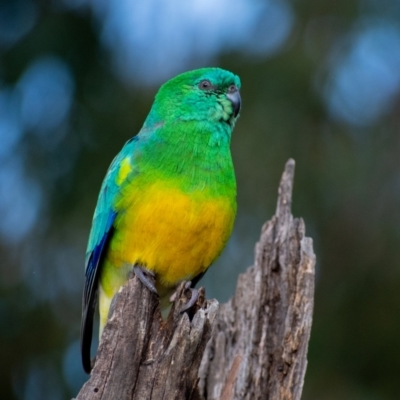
<point>143,275</point>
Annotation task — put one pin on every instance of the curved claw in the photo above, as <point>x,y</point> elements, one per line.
<point>143,276</point>
<point>194,296</point>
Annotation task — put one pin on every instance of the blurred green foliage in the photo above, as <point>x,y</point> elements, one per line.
<point>347,185</point>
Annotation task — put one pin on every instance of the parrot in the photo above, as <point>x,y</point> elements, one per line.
<point>167,204</point>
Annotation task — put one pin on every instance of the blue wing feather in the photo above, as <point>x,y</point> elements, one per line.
<point>90,293</point>
<point>100,235</point>
<point>94,259</point>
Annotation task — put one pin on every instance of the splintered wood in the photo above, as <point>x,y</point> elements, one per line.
<point>268,321</point>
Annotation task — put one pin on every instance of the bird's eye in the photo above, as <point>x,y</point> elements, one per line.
<point>232,89</point>
<point>205,85</point>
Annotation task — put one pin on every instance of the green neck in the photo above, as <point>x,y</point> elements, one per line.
<point>194,153</point>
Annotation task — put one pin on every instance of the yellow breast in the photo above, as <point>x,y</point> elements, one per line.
<point>177,235</point>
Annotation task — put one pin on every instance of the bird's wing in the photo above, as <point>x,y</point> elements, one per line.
<point>100,235</point>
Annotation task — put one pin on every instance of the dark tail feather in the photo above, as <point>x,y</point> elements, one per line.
<point>87,333</point>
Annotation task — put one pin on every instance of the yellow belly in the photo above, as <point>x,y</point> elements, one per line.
<point>174,234</point>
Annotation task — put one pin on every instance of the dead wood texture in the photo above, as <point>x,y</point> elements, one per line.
<point>266,326</point>
<point>259,339</point>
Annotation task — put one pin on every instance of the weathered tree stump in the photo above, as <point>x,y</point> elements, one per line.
<point>259,339</point>
<point>141,356</point>
<point>259,345</point>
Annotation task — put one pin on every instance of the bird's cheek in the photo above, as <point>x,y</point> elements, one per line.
<point>216,112</point>
<point>226,109</point>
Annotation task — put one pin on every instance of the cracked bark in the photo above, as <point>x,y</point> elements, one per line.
<point>252,347</point>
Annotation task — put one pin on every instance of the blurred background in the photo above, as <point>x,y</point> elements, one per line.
<point>320,83</point>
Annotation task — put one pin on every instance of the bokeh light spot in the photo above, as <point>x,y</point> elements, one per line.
<point>47,88</point>
<point>364,81</point>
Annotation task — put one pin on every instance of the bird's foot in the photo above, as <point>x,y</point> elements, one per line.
<point>194,295</point>
<point>146,277</point>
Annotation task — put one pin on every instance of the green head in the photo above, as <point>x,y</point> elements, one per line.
<point>208,94</point>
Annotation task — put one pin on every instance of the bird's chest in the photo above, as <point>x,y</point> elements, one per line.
<point>176,234</point>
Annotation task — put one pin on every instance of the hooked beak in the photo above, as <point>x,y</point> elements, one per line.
<point>234,97</point>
